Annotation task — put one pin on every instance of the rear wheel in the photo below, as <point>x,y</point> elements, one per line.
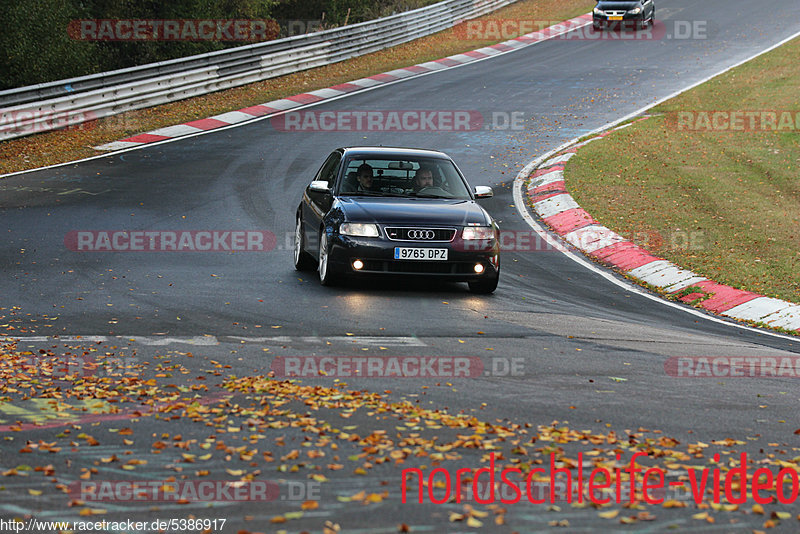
<point>302,259</point>
<point>326,275</point>
<point>484,286</point>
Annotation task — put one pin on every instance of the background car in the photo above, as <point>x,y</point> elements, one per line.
<point>623,14</point>
<point>391,226</point>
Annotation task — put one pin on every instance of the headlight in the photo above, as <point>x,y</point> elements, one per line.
<point>598,11</point>
<point>635,11</point>
<point>478,232</point>
<point>359,229</point>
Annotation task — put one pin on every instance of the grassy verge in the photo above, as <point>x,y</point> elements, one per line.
<point>56,147</point>
<point>724,203</point>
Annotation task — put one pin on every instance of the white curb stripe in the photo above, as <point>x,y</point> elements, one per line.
<point>788,318</point>
<point>326,93</point>
<point>759,308</point>
<point>593,237</point>
<point>686,282</point>
<point>232,117</point>
<point>282,104</point>
<point>563,158</point>
<point>462,58</point>
<point>401,73</point>
<point>118,145</point>
<point>555,205</point>
<point>489,51</point>
<point>176,131</point>
<point>365,82</point>
<point>547,178</point>
<point>432,65</point>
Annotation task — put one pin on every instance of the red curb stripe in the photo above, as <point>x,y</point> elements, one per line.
<point>559,186</point>
<point>725,297</point>
<point>145,138</point>
<point>569,220</point>
<point>304,98</point>
<point>538,173</point>
<point>625,256</point>
<point>383,77</point>
<point>347,87</point>
<point>417,69</point>
<point>545,196</point>
<point>476,54</point>
<point>502,47</point>
<point>259,110</point>
<point>207,124</point>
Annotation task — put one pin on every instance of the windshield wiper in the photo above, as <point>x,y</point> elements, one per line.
<point>375,194</point>
<point>428,195</point>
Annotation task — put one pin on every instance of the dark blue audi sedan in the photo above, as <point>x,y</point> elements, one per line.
<point>396,211</point>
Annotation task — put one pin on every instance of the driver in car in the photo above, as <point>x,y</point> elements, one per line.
<point>423,178</point>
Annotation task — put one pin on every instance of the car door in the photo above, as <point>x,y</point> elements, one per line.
<point>317,203</point>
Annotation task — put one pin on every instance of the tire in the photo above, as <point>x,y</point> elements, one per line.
<point>646,23</point>
<point>326,276</point>
<point>484,286</point>
<point>302,259</point>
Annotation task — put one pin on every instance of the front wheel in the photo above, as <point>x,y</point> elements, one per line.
<point>302,259</point>
<point>326,276</point>
<point>485,285</point>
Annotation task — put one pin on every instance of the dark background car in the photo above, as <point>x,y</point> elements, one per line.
<point>391,226</point>
<point>624,14</point>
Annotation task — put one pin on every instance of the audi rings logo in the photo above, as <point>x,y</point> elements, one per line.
<point>421,234</point>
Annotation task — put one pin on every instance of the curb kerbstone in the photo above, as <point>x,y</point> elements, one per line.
<point>551,201</point>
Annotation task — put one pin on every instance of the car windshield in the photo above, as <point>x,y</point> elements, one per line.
<point>416,177</point>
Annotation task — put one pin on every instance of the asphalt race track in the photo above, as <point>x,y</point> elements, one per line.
<point>577,334</point>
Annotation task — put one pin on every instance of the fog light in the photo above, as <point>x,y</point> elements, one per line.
<point>479,268</point>
<point>358,265</point>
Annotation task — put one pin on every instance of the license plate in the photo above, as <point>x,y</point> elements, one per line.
<point>408,253</point>
<point>614,18</point>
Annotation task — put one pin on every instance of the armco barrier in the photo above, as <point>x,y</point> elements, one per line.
<point>109,93</point>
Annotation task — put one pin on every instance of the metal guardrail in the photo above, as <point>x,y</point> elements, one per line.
<point>53,105</point>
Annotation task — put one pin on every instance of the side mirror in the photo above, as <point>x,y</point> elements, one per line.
<point>483,191</point>
<point>320,186</point>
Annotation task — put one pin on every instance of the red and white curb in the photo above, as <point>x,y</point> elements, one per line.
<point>312,97</point>
<point>548,194</point>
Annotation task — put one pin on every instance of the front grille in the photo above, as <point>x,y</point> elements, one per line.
<point>426,235</point>
<point>611,13</point>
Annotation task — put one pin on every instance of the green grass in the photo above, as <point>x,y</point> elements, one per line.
<point>725,204</point>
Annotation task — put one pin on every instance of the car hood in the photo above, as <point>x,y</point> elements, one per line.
<point>416,211</point>
<point>618,5</point>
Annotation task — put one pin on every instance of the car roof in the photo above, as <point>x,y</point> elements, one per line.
<point>399,152</point>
